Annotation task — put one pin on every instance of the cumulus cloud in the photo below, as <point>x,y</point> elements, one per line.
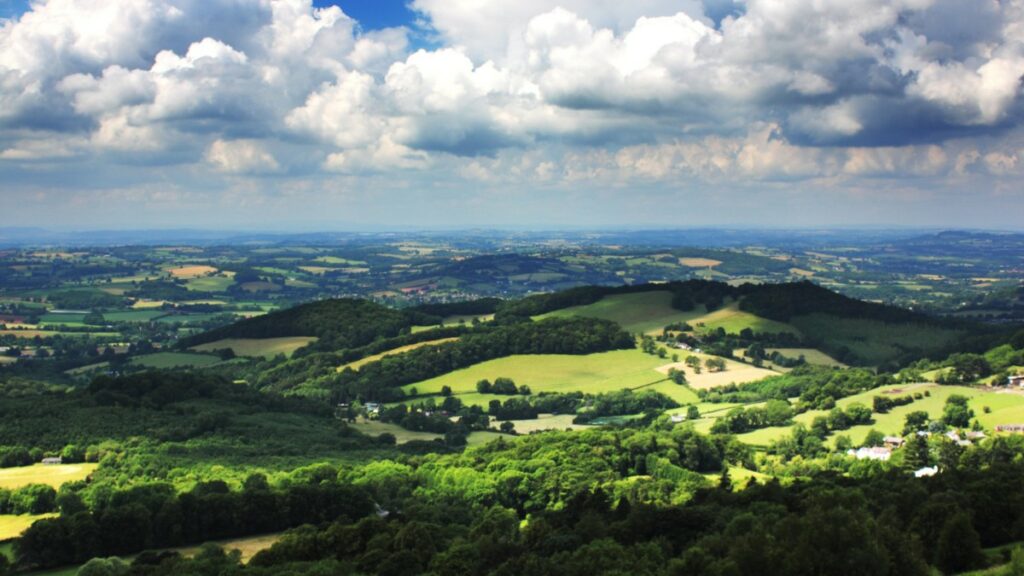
<point>536,91</point>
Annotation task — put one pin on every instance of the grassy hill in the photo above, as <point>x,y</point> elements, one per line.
<point>642,312</point>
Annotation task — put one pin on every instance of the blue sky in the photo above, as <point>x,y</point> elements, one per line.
<point>453,113</point>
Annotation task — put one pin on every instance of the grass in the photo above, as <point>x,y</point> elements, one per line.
<point>734,373</point>
<point>375,428</point>
<point>812,356</point>
<point>12,526</point>
<point>141,316</point>
<point>591,373</point>
<point>165,360</point>
<point>544,422</point>
<point>210,284</point>
<point>733,320</point>
<point>364,361</point>
<point>51,475</point>
<point>643,312</point>
<point>192,271</point>
<point>51,333</point>
<point>254,347</point>
<point>63,319</point>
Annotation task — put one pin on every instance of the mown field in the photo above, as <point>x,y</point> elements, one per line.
<point>364,361</point>
<point>643,312</point>
<point>12,526</point>
<point>591,374</point>
<point>167,360</point>
<point>52,475</point>
<point>255,347</point>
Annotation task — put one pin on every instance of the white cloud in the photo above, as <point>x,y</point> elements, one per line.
<point>241,157</point>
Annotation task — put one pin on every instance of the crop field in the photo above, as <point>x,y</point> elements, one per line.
<point>12,526</point>
<point>254,347</point>
<point>166,360</point>
<point>192,271</point>
<point>733,320</point>
<point>147,304</point>
<point>699,262</point>
<point>51,475</point>
<point>874,341</point>
<point>637,313</point>
<point>364,361</point>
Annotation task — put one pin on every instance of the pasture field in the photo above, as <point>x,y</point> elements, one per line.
<point>77,320</point>
<point>147,304</point>
<point>643,312</point>
<point>873,341</point>
<point>51,475</point>
<point>1006,407</point>
<point>339,261</point>
<point>49,333</point>
<point>256,287</point>
<point>254,347</point>
<point>733,320</point>
<point>247,546</point>
<point>210,284</point>
<point>12,526</point>
<point>544,422</point>
<point>699,262</point>
<point>165,360</point>
<point>591,373</point>
<point>193,271</point>
<point>364,361</point>
<point>811,355</point>
<point>375,428</point>
<point>140,316</point>
<point>735,372</point>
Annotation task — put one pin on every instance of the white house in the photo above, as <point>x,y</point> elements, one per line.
<point>926,471</point>
<point>879,453</point>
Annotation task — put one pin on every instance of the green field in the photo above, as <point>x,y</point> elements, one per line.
<point>210,284</point>
<point>165,360</point>
<point>375,428</point>
<point>76,320</point>
<point>637,313</point>
<point>12,526</point>
<point>733,320</point>
<point>253,347</point>
<point>52,475</point>
<point>364,361</point>
<point>133,316</point>
<point>591,373</point>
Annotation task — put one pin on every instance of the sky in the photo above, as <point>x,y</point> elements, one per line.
<point>377,114</point>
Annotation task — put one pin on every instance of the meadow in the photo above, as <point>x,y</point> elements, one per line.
<point>733,320</point>
<point>643,312</point>
<point>51,475</point>
<point>364,361</point>
<point>256,347</point>
<point>591,374</point>
<point>168,360</point>
<point>12,526</point>
<point>376,428</point>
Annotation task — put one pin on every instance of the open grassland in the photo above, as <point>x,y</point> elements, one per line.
<point>140,316</point>
<point>12,526</point>
<point>375,428</point>
<point>77,320</point>
<point>637,313</point>
<point>210,284</point>
<point>51,475</point>
<point>733,320</point>
<point>194,271</point>
<point>1005,407</point>
<point>166,360</point>
<point>256,347</point>
<point>364,361</point>
<point>874,341</point>
<point>544,422</point>
<point>591,373</point>
<point>812,356</point>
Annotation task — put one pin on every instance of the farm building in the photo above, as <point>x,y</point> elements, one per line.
<point>893,441</point>
<point>52,461</point>
<point>873,453</point>
<point>1017,380</point>
<point>926,471</point>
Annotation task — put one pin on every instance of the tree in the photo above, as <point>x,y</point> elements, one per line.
<point>915,421</point>
<point>956,413</point>
<point>507,427</point>
<point>692,413</point>
<point>959,546</point>
<point>715,364</point>
<point>916,454</point>
<point>483,386</point>
<point>447,390</point>
<point>677,376</point>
